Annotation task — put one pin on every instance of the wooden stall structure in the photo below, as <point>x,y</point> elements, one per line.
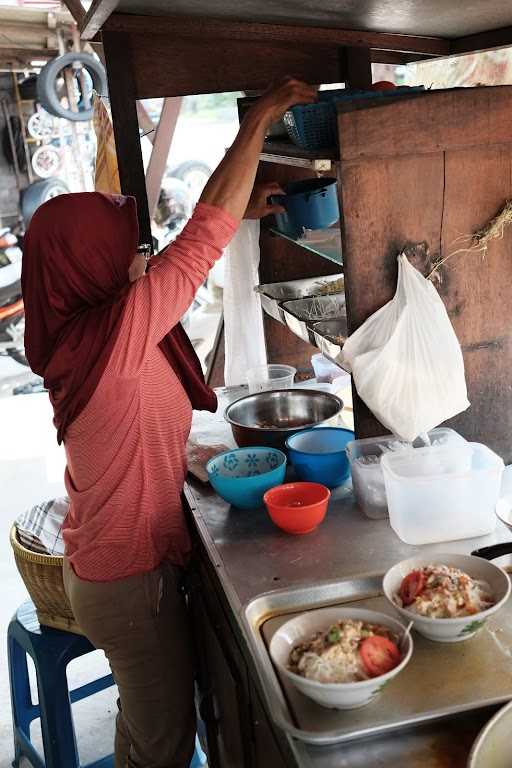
<point>423,170</point>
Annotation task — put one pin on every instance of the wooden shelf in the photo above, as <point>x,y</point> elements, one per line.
<point>330,250</point>
<point>286,153</point>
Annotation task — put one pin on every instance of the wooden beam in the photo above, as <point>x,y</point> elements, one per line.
<point>483,41</point>
<point>24,30</point>
<point>205,30</point>
<point>357,66</point>
<point>120,74</point>
<point>96,16</point>
<point>395,57</point>
<point>178,67</point>
<point>26,54</point>
<point>161,147</point>
<point>76,9</point>
<point>370,132</point>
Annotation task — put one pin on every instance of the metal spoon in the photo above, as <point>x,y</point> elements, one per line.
<point>406,634</point>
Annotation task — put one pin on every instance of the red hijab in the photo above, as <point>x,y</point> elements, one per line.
<point>76,257</point>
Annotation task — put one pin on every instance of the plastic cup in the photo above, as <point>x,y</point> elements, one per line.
<point>266,377</point>
<point>325,370</point>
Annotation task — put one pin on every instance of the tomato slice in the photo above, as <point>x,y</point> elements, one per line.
<point>379,655</point>
<point>412,586</point>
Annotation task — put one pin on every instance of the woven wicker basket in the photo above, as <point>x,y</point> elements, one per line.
<point>43,579</point>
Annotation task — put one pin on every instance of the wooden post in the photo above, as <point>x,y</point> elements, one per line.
<point>76,9</point>
<point>119,62</point>
<point>161,146</point>
<point>215,365</point>
<point>73,105</point>
<point>23,129</point>
<point>356,63</point>
<point>83,82</point>
<point>146,124</point>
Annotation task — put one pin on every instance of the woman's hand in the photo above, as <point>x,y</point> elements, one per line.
<point>259,205</point>
<point>230,186</point>
<point>280,96</point>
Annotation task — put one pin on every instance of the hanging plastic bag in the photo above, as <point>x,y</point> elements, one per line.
<point>406,360</point>
<point>243,320</point>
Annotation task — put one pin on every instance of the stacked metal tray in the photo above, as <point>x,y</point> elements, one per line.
<point>303,315</point>
<point>330,335</point>
<point>442,680</point>
<point>274,294</point>
<point>313,309</point>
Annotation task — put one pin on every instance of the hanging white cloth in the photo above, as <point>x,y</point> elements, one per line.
<point>243,321</point>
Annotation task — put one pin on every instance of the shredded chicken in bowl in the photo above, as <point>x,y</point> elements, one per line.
<point>348,652</point>
<point>443,592</point>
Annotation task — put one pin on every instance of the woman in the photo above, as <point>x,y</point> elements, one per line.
<point>123,380</point>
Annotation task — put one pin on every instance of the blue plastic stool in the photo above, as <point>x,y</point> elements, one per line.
<point>51,651</point>
<point>199,757</point>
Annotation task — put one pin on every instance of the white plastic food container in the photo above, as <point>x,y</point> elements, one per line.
<point>367,478</point>
<point>442,492</point>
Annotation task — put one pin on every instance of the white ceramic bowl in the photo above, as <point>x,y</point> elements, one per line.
<point>335,695</point>
<point>492,746</point>
<point>449,630</point>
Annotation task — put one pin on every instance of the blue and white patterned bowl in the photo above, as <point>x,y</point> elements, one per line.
<point>244,475</point>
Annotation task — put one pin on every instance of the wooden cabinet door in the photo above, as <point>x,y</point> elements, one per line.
<point>266,750</point>
<point>428,170</point>
<point>225,705</point>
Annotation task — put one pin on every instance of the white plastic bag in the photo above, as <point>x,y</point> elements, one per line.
<point>406,359</point>
<point>243,319</point>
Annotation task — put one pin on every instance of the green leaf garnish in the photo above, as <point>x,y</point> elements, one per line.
<point>473,626</point>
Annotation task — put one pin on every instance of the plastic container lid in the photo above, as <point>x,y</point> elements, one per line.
<point>368,476</point>
<point>381,445</point>
<point>426,463</point>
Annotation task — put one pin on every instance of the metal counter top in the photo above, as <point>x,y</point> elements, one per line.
<point>252,557</point>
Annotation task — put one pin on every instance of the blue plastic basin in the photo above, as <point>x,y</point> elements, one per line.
<point>244,475</point>
<point>309,204</point>
<point>319,455</point>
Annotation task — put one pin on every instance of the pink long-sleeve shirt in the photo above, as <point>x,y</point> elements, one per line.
<point>125,452</point>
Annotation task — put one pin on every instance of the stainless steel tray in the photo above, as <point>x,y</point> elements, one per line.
<point>441,680</point>
<point>329,336</point>
<point>301,315</point>
<point>272,294</point>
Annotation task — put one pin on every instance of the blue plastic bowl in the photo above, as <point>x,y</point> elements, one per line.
<point>319,455</point>
<point>244,475</point>
<point>309,204</point>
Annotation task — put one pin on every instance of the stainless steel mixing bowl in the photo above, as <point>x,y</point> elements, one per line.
<point>269,418</point>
